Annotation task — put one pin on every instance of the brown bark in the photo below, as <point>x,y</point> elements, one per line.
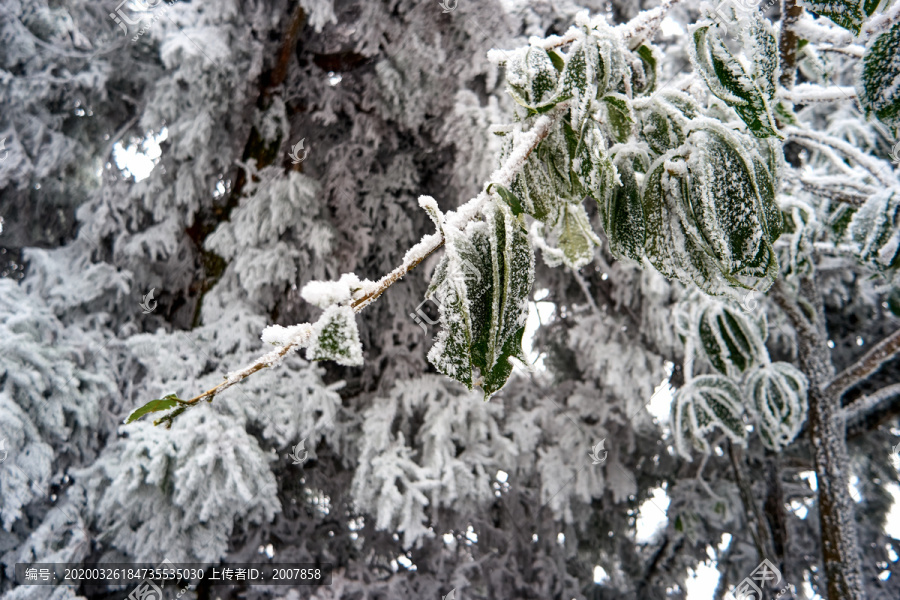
<point>787,44</point>
<point>840,552</point>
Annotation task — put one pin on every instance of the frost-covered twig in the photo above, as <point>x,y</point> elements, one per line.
<point>298,336</point>
<point>866,404</point>
<point>873,166</point>
<point>883,351</point>
<point>806,93</point>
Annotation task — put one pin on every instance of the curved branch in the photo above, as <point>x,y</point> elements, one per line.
<point>872,165</point>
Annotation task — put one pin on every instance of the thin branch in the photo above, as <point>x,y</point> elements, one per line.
<point>760,532</point>
<point>832,193</point>
<point>866,404</point>
<point>883,351</point>
<point>301,334</point>
<point>807,93</point>
<point>873,166</point>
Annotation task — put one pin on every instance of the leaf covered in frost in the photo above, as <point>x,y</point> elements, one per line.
<point>777,395</point>
<point>335,337</point>
<point>703,404</point>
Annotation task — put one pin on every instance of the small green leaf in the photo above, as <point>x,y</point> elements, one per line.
<point>623,216</point>
<point>557,60</point>
<point>619,115</point>
<point>335,337</point>
<point>164,403</point>
<point>648,63</point>
<point>514,203</point>
<point>777,394</point>
<point>705,403</point>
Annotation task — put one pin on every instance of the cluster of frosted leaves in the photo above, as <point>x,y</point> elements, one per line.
<point>654,163</point>
<point>482,285</point>
<point>777,395</point>
<point>732,340</point>
<point>706,403</point>
<point>875,227</point>
<point>336,337</point>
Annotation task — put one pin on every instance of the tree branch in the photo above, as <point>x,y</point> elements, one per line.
<point>870,362</point>
<point>865,405</point>
<point>301,334</point>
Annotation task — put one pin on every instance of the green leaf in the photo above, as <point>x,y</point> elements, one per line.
<point>728,210</point>
<point>672,242</point>
<point>647,82</point>
<point>584,78</point>
<point>497,377</point>
<point>875,227</point>
<point>849,14</point>
<point>483,285</point>
<point>732,340</point>
<point>777,394</point>
<point>727,79</point>
<point>623,214</point>
<point>576,238</point>
<point>879,83</point>
<point>762,48</point>
<point>514,203</point>
<point>619,115</point>
<point>592,166</point>
<point>557,60</point>
<point>663,120</point>
<point>335,337</point>
<point>164,403</point>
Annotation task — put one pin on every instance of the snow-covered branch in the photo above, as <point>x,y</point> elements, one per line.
<point>883,351</point>
<point>866,404</point>
<point>298,336</point>
<point>806,93</point>
<point>879,170</point>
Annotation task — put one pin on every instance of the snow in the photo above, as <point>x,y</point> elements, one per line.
<point>326,293</point>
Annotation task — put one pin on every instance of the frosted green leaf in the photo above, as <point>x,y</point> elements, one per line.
<point>645,80</point>
<point>703,404</point>
<point>535,188</point>
<point>335,337</point>
<point>482,285</point>
<point>726,205</point>
<point>876,228</point>
<point>532,79</point>
<point>879,82</point>
<point>777,396</point>
<point>592,166</point>
<point>671,240</point>
<point>164,403</point>
<point>849,14</point>
<point>663,120</point>
<point>732,340</point>
<point>762,48</point>
<point>584,78</point>
<point>619,116</point>
<point>623,214</point>
<point>727,80</point>
<point>576,238</point>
